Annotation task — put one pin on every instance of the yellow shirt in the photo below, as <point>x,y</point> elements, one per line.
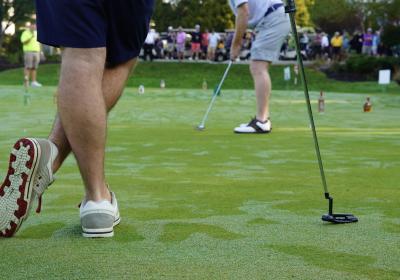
<point>337,42</point>
<point>29,41</point>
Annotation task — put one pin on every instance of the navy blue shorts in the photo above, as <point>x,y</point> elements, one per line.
<point>119,25</point>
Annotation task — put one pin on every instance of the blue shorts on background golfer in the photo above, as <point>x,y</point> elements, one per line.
<point>119,25</point>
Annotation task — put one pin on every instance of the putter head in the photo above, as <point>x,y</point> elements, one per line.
<point>340,218</point>
<point>200,127</point>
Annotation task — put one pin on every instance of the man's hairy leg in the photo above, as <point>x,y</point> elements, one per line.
<point>113,84</point>
<point>82,112</point>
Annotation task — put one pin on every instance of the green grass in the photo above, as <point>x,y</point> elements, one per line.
<point>214,205</point>
<point>191,75</point>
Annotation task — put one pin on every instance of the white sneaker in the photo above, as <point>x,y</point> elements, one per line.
<point>98,219</point>
<point>254,126</point>
<point>29,175</point>
<point>36,84</point>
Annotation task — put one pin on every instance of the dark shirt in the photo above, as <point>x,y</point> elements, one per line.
<point>356,42</point>
<point>171,38</point>
<point>196,37</point>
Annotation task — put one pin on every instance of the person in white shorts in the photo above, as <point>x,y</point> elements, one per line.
<point>213,40</point>
<point>31,48</point>
<point>271,26</point>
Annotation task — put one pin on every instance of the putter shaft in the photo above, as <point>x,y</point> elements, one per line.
<point>215,94</point>
<point>291,10</point>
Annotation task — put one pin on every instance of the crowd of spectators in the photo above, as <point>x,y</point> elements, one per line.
<point>320,45</point>
<point>192,44</point>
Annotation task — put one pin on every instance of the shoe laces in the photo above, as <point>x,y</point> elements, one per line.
<point>39,207</point>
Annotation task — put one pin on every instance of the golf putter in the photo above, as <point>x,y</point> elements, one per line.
<point>201,126</point>
<point>330,217</point>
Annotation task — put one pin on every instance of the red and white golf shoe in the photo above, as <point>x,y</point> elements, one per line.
<point>29,174</point>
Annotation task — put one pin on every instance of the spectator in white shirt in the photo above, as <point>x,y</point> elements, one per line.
<point>148,46</point>
<point>213,40</point>
<point>325,45</point>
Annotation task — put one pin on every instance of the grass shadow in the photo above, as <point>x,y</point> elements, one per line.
<point>127,233</point>
<point>69,231</point>
<point>182,231</point>
<point>262,221</point>
<point>42,231</point>
<point>339,261</point>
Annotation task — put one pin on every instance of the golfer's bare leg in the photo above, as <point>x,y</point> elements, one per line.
<point>113,84</point>
<point>262,85</point>
<point>33,75</point>
<point>26,77</point>
<point>83,114</point>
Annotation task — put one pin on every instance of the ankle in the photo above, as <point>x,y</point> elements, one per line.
<point>99,195</point>
<point>262,119</point>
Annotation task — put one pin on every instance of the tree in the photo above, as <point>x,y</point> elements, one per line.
<point>391,36</point>
<point>210,13</point>
<point>380,15</point>
<point>391,25</point>
<point>14,12</point>
<point>375,13</point>
<point>187,13</point>
<point>302,14</point>
<point>335,15</point>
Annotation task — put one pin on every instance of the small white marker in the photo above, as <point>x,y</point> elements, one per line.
<point>141,89</point>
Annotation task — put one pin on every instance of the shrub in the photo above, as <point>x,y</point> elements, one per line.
<point>362,67</point>
<point>391,35</point>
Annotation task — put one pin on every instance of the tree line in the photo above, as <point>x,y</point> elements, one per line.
<point>210,14</point>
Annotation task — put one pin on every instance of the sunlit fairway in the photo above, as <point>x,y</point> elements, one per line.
<point>215,205</point>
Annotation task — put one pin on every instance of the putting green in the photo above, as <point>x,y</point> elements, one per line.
<point>214,205</point>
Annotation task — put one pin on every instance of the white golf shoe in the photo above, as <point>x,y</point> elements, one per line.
<point>254,126</point>
<point>29,175</point>
<point>36,84</point>
<point>98,219</point>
